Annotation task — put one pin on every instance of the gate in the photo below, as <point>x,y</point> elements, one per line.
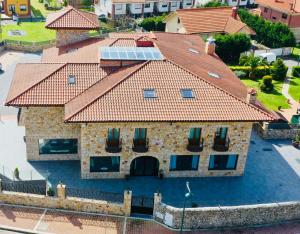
<point>142,205</point>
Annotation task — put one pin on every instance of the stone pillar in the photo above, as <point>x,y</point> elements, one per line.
<point>251,96</point>
<point>210,46</point>
<point>157,201</point>
<point>127,202</point>
<point>61,191</point>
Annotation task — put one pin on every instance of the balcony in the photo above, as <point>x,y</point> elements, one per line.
<point>140,145</point>
<point>221,144</point>
<point>113,146</point>
<point>195,146</point>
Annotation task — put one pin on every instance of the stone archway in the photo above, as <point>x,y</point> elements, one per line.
<point>144,166</point>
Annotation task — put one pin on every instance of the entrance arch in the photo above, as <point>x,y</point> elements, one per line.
<point>144,166</point>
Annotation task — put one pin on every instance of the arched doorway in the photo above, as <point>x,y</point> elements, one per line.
<point>144,166</point>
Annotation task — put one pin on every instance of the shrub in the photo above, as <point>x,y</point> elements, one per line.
<point>257,73</point>
<point>267,85</point>
<point>229,47</point>
<point>279,70</point>
<point>274,35</point>
<point>214,4</point>
<point>296,71</point>
<point>50,192</point>
<point>153,23</point>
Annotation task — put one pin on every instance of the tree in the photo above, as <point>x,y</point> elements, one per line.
<point>229,47</point>
<point>279,70</point>
<point>253,62</point>
<point>274,35</point>
<point>267,85</point>
<point>213,4</point>
<point>153,23</point>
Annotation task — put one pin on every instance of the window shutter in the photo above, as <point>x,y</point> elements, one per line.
<point>195,161</point>
<point>231,161</point>
<point>212,162</point>
<point>173,162</point>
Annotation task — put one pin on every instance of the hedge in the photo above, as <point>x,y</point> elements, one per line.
<point>296,71</point>
<point>259,71</point>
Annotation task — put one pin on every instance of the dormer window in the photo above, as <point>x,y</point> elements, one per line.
<point>71,79</point>
<point>187,93</point>
<point>149,93</point>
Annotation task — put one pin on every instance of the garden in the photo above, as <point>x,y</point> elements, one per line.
<point>294,90</point>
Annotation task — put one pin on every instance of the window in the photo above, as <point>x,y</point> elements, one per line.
<point>147,5</point>
<point>184,162</point>
<point>140,133</point>
<point>23,8</point>
<point>173,4</point>
<point>187,93</point>
<point>137,6</point>
<point>223,162</point>
<point>71,79</point>
<point>221,133</point>
<point>12,8</point>
<point>119,7</point>
<point>149,93</point>
<point>274,18</point>
<point>266,10</point>
<point>113,134</point>
<point>164,5</point>
<point>284,16</point>
<point>178,20</point>
<point>58,146</point>
<point>188,4</point>
<point>195,134</point>
<point>105,164</point>
<point>193,51</point>
<point>214,75</point>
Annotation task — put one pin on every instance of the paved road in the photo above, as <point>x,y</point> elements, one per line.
<point>63,222</point>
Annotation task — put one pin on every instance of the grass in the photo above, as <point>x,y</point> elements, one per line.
<point>35,32</point>
<point>296,51</point>
<point>270,100</point>
<point>39,9</point>
<point>294,89</point>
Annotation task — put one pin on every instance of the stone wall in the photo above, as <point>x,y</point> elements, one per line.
<point>284,134</point>
<point>65,37</point>
<point>165,139</point>
<point>32,48</point>
<point>233,216</point>
<point>47,123</point>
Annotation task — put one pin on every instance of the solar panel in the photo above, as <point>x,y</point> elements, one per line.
<point>130,53</point>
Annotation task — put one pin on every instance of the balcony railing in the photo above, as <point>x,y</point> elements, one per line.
<point>195,146</point>
<point>113,146</point>
<point>140,146</point>
<point>221,144</point>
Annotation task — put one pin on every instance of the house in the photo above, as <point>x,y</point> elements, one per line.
<point>231,3</point>
<point>135,104</point>
<point>284,11</point>
<point>206,21</point>
<point>139,8</point>
<point>18,7</point>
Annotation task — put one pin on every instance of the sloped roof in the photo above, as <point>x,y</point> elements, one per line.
<point>71,18</point>
<point>123,99</point>
<point>281,5</point>
<point>233,26</point>
<point>210,20</point>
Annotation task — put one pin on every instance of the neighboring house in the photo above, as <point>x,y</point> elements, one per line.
<point>231,3</point>
<point>18,7</point>
<point>206,21</point>
<point>139,8</point>
<point>135,104</point>
<point>284,11</point>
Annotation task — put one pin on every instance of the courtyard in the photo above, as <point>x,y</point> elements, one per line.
<point>272,171</point>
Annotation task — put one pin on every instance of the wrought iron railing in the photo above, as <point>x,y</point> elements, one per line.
<point>95,194</point>
<point>114,146</point>
<point>195,146</point>
<point>221,144</point>
<point>140,146</point>
<point>25,187</point>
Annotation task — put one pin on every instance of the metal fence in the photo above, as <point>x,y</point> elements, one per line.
<point>279,126</point>
<point>34,187</point>
<point>95,194</point>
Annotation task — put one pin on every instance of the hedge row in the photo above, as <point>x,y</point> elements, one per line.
<point>296,71</point>
<point>243,71</point>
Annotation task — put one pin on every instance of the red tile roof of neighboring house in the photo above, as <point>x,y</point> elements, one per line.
<point>210,20</point>
<point>71,18</point>
<point>116,94</point>
<point>288,6</point>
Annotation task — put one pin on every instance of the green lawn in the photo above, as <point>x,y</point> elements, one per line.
<point>39,9</point>
<point>35,32</point>
<point>296,51</point>
<point>270,100</point>
<point>294,90</point>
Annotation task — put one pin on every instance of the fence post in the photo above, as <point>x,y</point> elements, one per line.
<point>127,202</point>
<point>61,191</point>
<point>157,201</point>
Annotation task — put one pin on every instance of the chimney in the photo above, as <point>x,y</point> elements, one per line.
<point>234,12</point>
<point>251,96</point>
<point>210,46</point>
<point>291,6</point>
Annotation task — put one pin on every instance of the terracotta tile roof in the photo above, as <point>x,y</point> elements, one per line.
<point>209,20</point>
<point>124,42</point>
<point>47,84</point>
<point>233,26</point>
<point>72,18</point>
<point>281,5</point>
<point>123,99</point>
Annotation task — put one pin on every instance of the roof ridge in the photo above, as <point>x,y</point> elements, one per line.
<point>62,14</point>
<point>81,13</point>
<point>108,90</point>
<point>26,90</point>
<point>219,88</point>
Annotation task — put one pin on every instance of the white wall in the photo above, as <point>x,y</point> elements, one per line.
<point>136,8</point>
<point>120,8</point>
<point>187,4</point>
<point>162,6</point>
<point>173,26</point>
<point>148,9</point>
<point>174,5</point>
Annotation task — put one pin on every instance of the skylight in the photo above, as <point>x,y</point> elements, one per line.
<point>71,79</point>
<point>187,93</point>
<point>130,53</point>
<point>194,51</point>
<point>149,93</point>
<point>214,75</point>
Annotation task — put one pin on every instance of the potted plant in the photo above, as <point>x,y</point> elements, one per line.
<point>296,141</point>
<point>17,173</point>
<point>161,174</point>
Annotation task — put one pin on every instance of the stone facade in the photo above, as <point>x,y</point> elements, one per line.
<point>227,216</point>
<point>165,139</point>
<point>66,37</point>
